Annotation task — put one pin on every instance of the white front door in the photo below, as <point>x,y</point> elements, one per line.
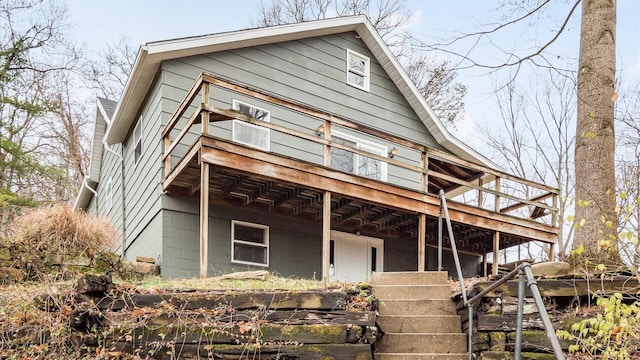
<point>353,257</point>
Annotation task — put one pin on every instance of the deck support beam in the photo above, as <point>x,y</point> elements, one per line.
<point>326,236</point>
<point>496,252</point>
<point>422,231</point>
<point>204,219</point>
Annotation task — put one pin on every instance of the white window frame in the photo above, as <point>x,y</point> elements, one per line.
<point>265,245</point>
<point>235,105</point>
<point>109,193</point>
<point>365,145</point>
<point>138,140</point>
<point>366,75</point>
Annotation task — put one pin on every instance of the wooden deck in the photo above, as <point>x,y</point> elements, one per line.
<point>218,170</point>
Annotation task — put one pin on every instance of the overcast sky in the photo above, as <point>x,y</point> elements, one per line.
<point>95,23</point>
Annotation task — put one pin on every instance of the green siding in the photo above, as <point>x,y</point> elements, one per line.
<point>142,180</point>
<point>110,167</point>
<point>310,72</point>
<point>295,248</point>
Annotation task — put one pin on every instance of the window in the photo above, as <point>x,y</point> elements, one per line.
<point>109,193</point>
<point>358,164</point>
<point>357,70</point>
<point>249,134</point>
<point>137,141</point>
<point>249,243</point>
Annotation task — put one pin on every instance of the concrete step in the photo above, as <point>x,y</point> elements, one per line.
<point>425,324</point>
<point>390,292</point>
<point>410,278</point>
<point>417,307</point>
<point>422,343</point>
<point>420,356</point>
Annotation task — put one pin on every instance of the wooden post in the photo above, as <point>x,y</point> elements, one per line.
<point>205,101</point>
<point>422,231</point>
<point>326,236</point>
<point>496,203</point>
<point>554,214</point>
<point>424,177</point>
<point>327,148</point>
<point>204,219</point>
<point>496,235</point>
<point>552,252</point>
<point>480,193</point>
<point>496,250</point>
<point>484,264</point>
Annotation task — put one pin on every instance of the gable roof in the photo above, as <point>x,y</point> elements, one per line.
<point>104,112</point>
<point>151,55</point>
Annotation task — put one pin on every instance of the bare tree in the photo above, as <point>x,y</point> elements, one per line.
<point>107,74</point>
<point>628,116</point>
<point>34,53</point>
<point>595,136</point>
<point>435,79</point>
<point>536,139</point>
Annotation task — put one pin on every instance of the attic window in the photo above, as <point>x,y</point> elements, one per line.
<point>357,70</point>
<point>250,134</point>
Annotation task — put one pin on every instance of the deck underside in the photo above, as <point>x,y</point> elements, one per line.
<point>250,178</point>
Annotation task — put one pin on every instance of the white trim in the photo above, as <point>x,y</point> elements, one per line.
<point>248,243</point>
<point>366,74</point>
<point>235,104</point>
<point>367,144</point>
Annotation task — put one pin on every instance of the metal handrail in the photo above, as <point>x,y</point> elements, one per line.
<point>525,277</point>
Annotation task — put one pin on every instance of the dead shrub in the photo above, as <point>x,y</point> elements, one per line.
<point>57,230</point>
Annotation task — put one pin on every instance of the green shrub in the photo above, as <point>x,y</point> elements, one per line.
<point>612,333</point>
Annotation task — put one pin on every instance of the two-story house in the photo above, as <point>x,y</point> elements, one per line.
<point>302,149</point>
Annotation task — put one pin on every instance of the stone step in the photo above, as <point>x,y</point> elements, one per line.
<point>410,278</point>
<point>420,356</point>
<point>417,307</point>
<point>425,324</point>
<point>419,292</point>
<point>422,343</point>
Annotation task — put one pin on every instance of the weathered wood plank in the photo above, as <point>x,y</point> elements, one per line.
<point>567,287</point>
<point>535,341</point>
<point>184,105</point>
<point>193,301</point>
<point>488,322</point>
<point>224,334</point>
<point>234,156</point>
<point>289,317</point>
<point>250,351</point>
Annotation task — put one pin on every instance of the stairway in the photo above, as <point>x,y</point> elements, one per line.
<point>417,317</point>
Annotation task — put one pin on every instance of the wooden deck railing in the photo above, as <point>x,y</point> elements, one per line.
<point>504,202</point>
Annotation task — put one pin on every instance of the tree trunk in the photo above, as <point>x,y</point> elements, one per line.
<point>595,141</point>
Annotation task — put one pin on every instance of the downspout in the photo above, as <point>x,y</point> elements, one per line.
<point>124,218</point>
<point>124,215</point>
<point>85,183</point>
